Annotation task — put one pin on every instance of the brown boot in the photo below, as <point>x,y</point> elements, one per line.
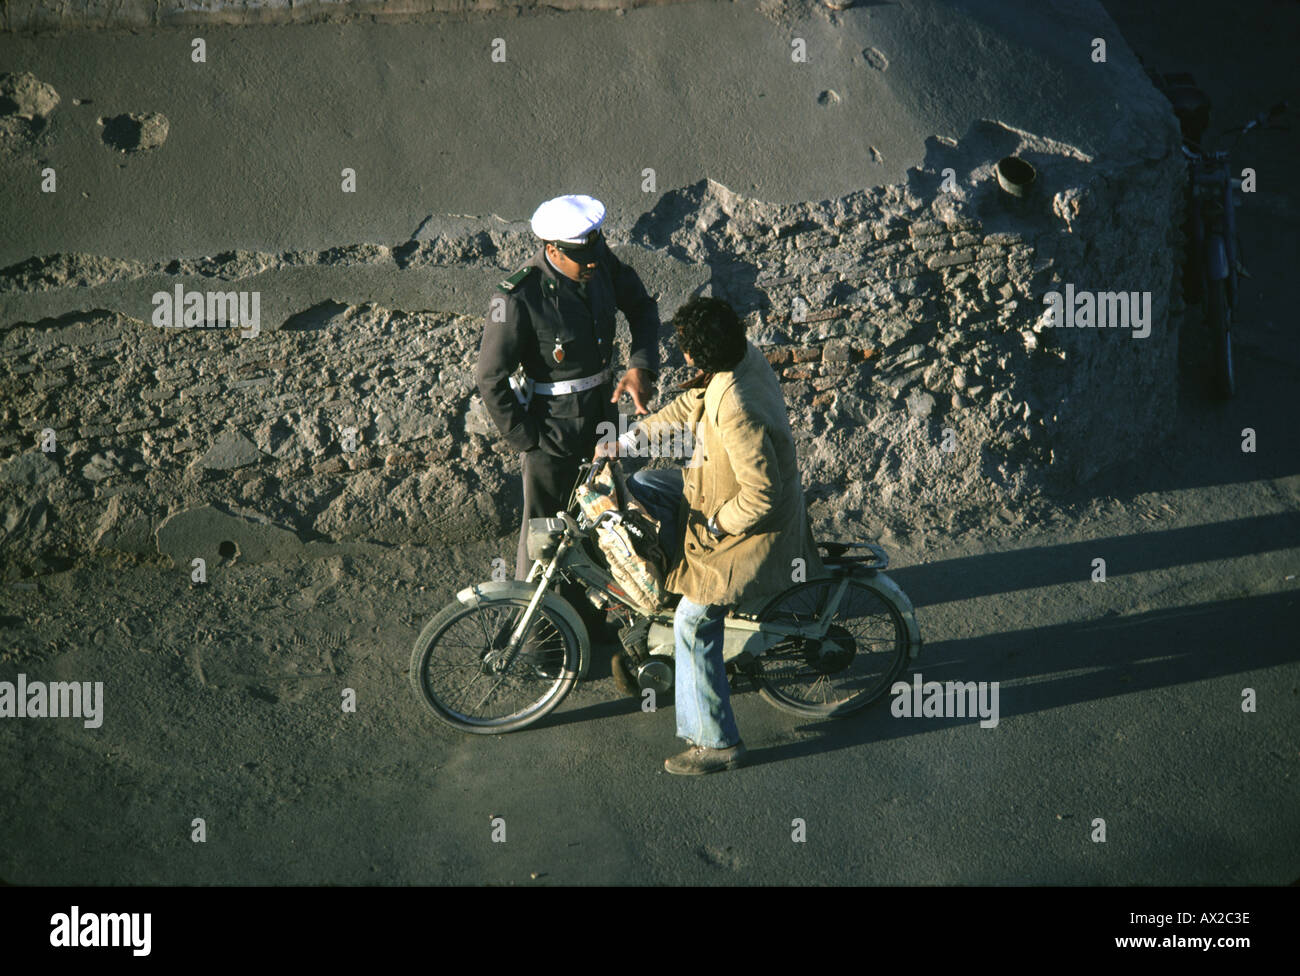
<point>697,760</point>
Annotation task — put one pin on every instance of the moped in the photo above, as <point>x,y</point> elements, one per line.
<point>502,655</point>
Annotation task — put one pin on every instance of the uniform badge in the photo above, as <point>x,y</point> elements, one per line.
<point>558,352</point>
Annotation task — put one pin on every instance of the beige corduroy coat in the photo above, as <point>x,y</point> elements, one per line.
<point>745,475</point>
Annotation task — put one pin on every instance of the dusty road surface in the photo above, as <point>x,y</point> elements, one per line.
<point>1163,701</point>
<point>1119,701</point>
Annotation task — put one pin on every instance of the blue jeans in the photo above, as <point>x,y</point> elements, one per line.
<point>704,716</point>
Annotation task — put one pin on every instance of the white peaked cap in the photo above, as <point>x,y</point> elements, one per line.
<point>568,219</point>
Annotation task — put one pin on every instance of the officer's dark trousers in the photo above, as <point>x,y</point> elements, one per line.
<point>548,482</point>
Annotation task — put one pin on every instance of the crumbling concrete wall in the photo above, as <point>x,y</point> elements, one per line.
<point>906,320</point>
<point>965,393</point>
<point>40,15</point>
<point>906,323</point>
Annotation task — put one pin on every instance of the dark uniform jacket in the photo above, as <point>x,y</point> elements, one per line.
<point>543,307</point>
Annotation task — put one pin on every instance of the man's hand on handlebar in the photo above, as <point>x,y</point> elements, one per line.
<point>606,449</point>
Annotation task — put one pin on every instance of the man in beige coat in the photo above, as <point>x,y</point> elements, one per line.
<point>732,522</point>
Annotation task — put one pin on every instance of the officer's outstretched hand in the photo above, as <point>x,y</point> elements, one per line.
<point>636,384</point>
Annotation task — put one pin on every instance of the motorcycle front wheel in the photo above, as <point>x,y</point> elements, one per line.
<point>462,670</point>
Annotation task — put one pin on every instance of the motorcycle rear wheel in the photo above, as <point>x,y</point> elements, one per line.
<point>864,650</point>
<point>1218,321</point>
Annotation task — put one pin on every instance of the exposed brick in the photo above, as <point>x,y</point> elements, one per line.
<point>949,258</point>
<point>839,352</point>
<point>824,399</point>
<point>924,228</point>
<point>907,268</point>
<point>131,426</point>
<point>401,459</point>
<point>894,249</point>
<point>824,314</point>
<point>180,408</point>
<point>778,355</point>
<point>329,466</point>
<point>47,381</point>
<point>926,244</point>
<point>807,354</point>
<point>797,373</point>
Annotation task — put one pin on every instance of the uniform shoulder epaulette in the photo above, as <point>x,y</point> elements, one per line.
<point>515,280</point>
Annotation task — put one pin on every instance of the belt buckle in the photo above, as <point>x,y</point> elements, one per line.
<point>522,385</point>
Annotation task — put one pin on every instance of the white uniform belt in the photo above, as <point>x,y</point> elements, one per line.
<point>572,386</point>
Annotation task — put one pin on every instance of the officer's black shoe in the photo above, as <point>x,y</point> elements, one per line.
<point>603,633</point>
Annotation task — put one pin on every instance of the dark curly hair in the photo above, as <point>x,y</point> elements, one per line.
<point>711,332</point>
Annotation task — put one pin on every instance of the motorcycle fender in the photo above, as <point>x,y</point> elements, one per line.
<point>908,612</point>
<point>471,595</point>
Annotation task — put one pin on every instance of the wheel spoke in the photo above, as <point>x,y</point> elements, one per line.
<point>464,694</point>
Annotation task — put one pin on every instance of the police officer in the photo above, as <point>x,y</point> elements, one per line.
<point>544,369</point>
